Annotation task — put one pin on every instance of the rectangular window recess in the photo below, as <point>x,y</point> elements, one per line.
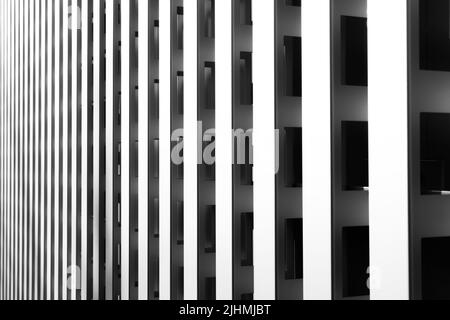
<point>180,28</point>
<point>435,153</point>
<point>180,92</point>
<point>245,12</point>
<point>210,288</point>
<point>210,230</point>
<point>434,37</point>
<point>155,157</point>
<point>354,50</point>
<point>247,239</point>
<point>155,220</point>
<point>209,18</point>
<point>180,222</point>
<point>210,86</point>
<point>293,158</point>
<point>355,155</point>
<point>245,79</point>
<point>355,252</point>
<point>435,266</point>
<point>293,66</point>
<point>293,243</point>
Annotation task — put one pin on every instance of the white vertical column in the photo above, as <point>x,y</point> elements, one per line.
<point>85,105</point>
<point>224,151</point>
<point>97,99</point>
<point>32,215</point>
<point>43,211</point>
<point>2,82</point>
<point>14,109</point>
<point>74,107</point>
<point>109,114</point>
<point>190,150</point>
<point>19,143</point>
<point>388,149</point>
<point>25,148</point>
<point>125,150</point>
<point>9,151</point>
<point>164,155</point>
<point>143,160</point>
<point>2,139</point>
<point>65,137</point>
<point>36,150</point>
<point>49,146</point>
<point>57,177</point>
<point>2,150</point>
<point>316,149</point>
<point>264,167</point>
<point>16,130</point>
<point>7,30</point>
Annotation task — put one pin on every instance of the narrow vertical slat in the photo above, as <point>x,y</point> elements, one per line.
<point>224,149</point>
<point>65,137</point>
<point>36,150</point>
<point>96,148</point>
<point>190,148</point>
<point>388,149</point>
<point>264,148</point>
<point>2,132</point>
<point>125,149</point>
<point>143,155</point>
<point>19,142</point>
<point>43,108</point>
<point>74,150</point>
<point>84,144</point>
<point>16,133</point>
<point>49,182</point>
<point>316,115</point>
<point>25,145</point>
<point>31,275</point>
<point>57,178</point>
<point>164,156</point>
<point>109,164</point>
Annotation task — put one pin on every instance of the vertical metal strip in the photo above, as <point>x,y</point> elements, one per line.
<point>388,150</point>
<point>125,149</point>
<point>49,106</point>
<point>57,152</point>
<point>42,122</point>
<point>65,144</point>
<point>25,184</point>
<point>316,115</point>
<point>74,268</point>
<point>143,161</point>
<point>97,99</point>
<point>164,156</point>
<point>224,150</point>
<point>109,139</point>
<point>19,142</point>
<point>84,144</point>
<point>190,151</point>
<point>264,148</point>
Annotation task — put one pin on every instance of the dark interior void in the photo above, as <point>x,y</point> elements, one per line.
<point>355,153</point>
<point>354,50</point>
<point>434,35</point>
<point>293,158</point>
<point>294,249</point>
<point>355,241</point>
<point>295,3</point>
<point>436,268</point>
<point>293,66</point>
<point>434,152</point>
